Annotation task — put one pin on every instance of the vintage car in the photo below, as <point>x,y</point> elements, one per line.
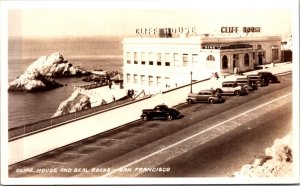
<point>230,88</point>
<point>246,84</point>
<point>258,79</point>
<point>210,95</point>
<point>160,112</point>
<point>268,76</point>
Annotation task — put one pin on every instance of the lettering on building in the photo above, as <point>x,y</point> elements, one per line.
<point>166,31</point>
<point>225,29</point>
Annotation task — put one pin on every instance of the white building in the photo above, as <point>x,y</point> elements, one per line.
<point>155,64</point>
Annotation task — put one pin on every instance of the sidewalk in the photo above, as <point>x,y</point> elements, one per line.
<point>212,83</point>
<point>277,68</point>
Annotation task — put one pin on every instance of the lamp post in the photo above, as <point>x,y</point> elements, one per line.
<point>191,91</point>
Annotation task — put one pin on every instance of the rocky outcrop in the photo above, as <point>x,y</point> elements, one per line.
<point>95,78</point>
<point>101,76</point>
<point>32,81</point>
<point>38,76</point>
<point>55,66</point>
<point>75,103</point>
<point>277,162</point>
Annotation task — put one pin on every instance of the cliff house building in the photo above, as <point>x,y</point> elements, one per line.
<point>161,63</point>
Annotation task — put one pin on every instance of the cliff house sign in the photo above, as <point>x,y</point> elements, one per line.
<point>165,32</point>
<point>225,29</point>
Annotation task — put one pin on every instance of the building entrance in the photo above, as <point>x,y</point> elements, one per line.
<point>235,60</point>
<point>260,58</point>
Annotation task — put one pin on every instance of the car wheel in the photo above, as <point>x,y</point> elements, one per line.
<point>219,90</point>
<point>237,93</point>
<point>211,101</point>
<point>190,101</point>
<point>246,88</point>
<point>145,118</point>
<point>169,117</point>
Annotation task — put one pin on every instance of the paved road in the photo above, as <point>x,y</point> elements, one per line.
<point>228,153</point>
<point>104,151</point>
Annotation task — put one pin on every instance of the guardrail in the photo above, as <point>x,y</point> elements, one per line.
<point>21,130</point>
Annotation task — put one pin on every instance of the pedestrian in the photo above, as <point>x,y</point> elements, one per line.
<point>128,93</point>
<point>235,70</point>
<point>216,75</point>
<point>109,84</point>
<point>132,92</point>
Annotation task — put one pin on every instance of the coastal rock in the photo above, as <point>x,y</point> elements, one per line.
<point>32,81</point>
<point>101,76</point>
<point>38,76</point>
<point>55,65</point>
<point>277,162</point>
<point>75,103</point>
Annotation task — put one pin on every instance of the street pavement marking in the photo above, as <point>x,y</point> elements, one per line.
<point>142,127</point>
<point>57,162</point>
<point>133,133</point>
<point>114,139</point>
<point>193,136</point>
<point>96,146</point>
<point>76,154</point>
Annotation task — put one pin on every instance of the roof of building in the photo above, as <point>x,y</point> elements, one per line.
<point>199,40</point>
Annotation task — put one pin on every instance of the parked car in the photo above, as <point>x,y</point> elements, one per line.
<point>258,80</point>
<point>210,95</point>
<point>246,84</point>
<point>268,76</point>
<point>231,88</point>
<point>159,112</point>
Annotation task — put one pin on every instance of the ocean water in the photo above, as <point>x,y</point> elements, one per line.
<point>87,52</point>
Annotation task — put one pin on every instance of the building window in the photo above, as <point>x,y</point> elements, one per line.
<point>185,60</point>
<point>167,59</point>
<point>150,80</point>
<point>143,58</point>
<point>128,78</point>
<point>246,59</point>
<point>210,58</point>
<point>151,58</point>
<point>224,62</point>
<point>128,57</point>
<point>158,59</point>
<point>135,58</point>
<point>143,79</point>
<point>258,47</point>
<point>275,54</point>
<point>135,79</point>
<point>253,55</point>
<point>158,81</point>
<point>167,81</point>
<point>176,59</point>
<point>195,60</point>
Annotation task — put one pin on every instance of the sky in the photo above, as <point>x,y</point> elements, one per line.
<point>124,20</point>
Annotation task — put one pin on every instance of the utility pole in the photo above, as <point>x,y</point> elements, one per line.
<point>191,91</point>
